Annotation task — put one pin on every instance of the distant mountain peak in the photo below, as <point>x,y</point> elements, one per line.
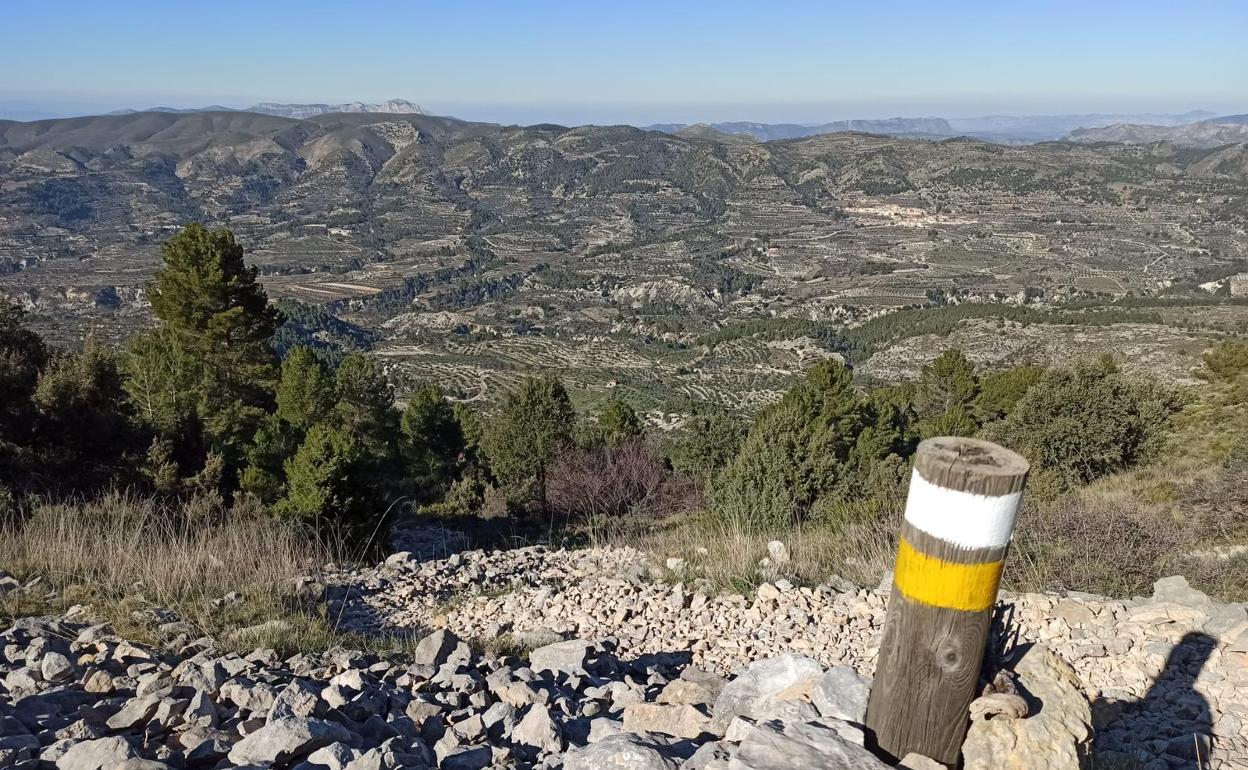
<point>392,106</point>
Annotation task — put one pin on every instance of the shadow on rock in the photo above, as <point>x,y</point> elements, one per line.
<point>1173,723</point>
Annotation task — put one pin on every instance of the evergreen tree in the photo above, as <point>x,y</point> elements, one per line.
<point>209,298</point>
<point>1226,360</point>
<point>618,422</point>
<point>432,440</point>
<point>216,324</point>
<point>365,406</point>
<point>161,380</point>
<point>306,395</point>
<point>264,475</point>
<point>522,439</point>
<point>710,441</point>
<point>947,388</point>
<point>1083,421</point>
<point>81,426</point>
<point>817,444</point>
<point>323,485</point>
<point>473,431</point>
<point>22,355</point>
<point>1000,391</point>
<point>306,390</point>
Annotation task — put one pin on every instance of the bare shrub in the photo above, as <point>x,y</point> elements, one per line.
<point>1219,505</point>
<point>1116,548</point>
<point>628,479</point>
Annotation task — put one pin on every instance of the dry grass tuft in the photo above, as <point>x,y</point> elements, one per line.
<point>123,555</point>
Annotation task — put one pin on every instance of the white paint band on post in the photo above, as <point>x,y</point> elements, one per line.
<point>962,518</point>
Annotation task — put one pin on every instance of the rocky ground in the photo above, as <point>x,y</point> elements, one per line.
<point>623,672</point>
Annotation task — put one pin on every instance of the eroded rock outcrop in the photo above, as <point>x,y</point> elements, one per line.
<point>1055,734</point>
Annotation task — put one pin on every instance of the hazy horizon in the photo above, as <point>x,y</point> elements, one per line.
<point>25,109</point>
<point>641,63</point>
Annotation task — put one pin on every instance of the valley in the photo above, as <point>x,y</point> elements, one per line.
<point>475,253</point>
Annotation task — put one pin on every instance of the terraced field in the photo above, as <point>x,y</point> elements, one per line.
<point>477,253</point>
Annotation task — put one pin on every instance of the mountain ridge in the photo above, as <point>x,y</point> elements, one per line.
<point>1010,129</point>
<point>292,110</point>
<point>1214,132</point>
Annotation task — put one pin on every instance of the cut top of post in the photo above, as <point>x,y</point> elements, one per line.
<point>971,465</point>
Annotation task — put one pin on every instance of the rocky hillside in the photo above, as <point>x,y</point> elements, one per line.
<point>593,663</point>
<point>613,255</point>
<point>1216,132</point>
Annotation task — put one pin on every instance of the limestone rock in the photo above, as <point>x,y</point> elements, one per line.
<point>136,712</point>
<point>468,758</point>
<point>538,731</point>
<point>335,756</point>
<point>55,667</point>
<point>436,648</point>
<point>283,740</point>
<point>914,761</point>
<point>96,755</point>
<point>778,552</point>
<point>623,752</point>
<point>1054,737</point>
<point>684,721</point>
<point>775,745</point>
<point>568,657</point>
<point>841,693</point>
<point>1176,590</point>
<point>759,684</point>
<point>694,687</point>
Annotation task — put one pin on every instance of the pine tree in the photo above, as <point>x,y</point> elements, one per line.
<point>618,422</point>
<point>323,486</point>
<point>522,439</point>
<point>432,440</point>
<point>161,380</point>
<point>81,425</point>
<point>365,406</point>
<point>264,475</point>
<point>946,382</point>
<point>710,442</point>
<point>817,445</point>
<point>999,392</point>
<point>207,296</point>
<point>306,392</point>
<point>22,355</point>
<point>947,389</point>
<point>216,326</point>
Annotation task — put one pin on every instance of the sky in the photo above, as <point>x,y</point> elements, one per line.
<point>639,62</point>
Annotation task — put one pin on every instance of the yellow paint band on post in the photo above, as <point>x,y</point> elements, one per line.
<point>938,583</point>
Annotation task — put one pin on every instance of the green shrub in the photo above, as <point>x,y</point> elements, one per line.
<point>618,422</point>
<point>1083,421</point>
<point>1226,360</point>
<point>819,441</point>
<point>1000,391</point>
<point>709,442</point>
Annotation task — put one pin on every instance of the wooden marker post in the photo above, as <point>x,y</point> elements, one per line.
<point>963,499</point>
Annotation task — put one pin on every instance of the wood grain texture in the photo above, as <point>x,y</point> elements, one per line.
<point>930,544</point>
<point>934,636</point>
<point>971,465</point>
<point>926,679</point>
